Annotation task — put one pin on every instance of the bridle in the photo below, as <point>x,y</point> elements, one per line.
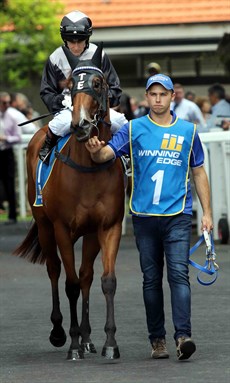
<point>90,80</point>
<point>83,78</point>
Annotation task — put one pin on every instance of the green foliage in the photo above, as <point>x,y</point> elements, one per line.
<point>29,32</point>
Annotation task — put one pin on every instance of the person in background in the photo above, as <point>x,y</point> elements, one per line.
<point>21,102</point>
<point>135,106</point>
<point>2,198</point>
<point>10,135</point>
<point>125,107</point>
<point>76,30</point>
<point>152,69</point>
<point>162,148</point>
<point>189,95</point>
<point>186,109</point>
<point>205,107</point>
<point>18,115</point>
<point>220,108</point>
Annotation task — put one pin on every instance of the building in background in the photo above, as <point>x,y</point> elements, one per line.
<point>182,37</point>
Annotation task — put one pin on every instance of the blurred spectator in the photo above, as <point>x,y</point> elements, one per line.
<point>220,108</point>
<point>10,134</point>
<point>2,197</point>
<point>20,117</point>
<point>125,107</point>
<point>134,106</point>
<point>152,69</point>
<point>225,125</point>
<point>143,108</point>
<point>22,103</point>
<point>186,109</point>
<point>189,95</point>
<point>205,107</point>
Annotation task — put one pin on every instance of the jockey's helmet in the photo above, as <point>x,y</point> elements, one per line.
<point>76,26</point>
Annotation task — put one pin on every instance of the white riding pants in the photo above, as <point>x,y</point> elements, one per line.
<point>60,124</point>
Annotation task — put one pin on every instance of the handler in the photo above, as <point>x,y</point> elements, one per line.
<point>162,148</point>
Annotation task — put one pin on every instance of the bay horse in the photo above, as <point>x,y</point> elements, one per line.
<point>80,199</point>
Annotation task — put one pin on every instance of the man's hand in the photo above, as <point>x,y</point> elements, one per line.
<point>98,150</point>
<point>94,145</point>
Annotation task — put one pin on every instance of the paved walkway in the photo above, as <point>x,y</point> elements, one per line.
<point>28,357</point>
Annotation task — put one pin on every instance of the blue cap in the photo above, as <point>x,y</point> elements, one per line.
<point>162,79</point>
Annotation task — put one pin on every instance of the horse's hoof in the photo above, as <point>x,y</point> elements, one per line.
<point>75,355</point>
<point>88,348</point>
<point>58,341</point>
<point>110,352</point>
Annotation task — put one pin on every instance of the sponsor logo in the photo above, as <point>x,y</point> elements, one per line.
<point>172,142</point>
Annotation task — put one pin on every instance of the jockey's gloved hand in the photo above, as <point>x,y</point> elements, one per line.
<point>67,102</point>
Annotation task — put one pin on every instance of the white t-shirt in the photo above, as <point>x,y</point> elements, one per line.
<point>189,111</point>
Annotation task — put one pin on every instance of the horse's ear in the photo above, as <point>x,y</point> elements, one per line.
<point>72,60</point>
<point>97,57</point>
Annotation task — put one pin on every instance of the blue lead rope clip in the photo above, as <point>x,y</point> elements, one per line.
<point>210,267</point>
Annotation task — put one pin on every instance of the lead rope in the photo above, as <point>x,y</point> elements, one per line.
<point>210,267</point>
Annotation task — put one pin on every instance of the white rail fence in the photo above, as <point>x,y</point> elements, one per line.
<point>217,163</point>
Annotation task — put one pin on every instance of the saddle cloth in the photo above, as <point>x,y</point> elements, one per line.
<point>43,171</point>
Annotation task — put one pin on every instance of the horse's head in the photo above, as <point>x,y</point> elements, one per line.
<point>89,92</point>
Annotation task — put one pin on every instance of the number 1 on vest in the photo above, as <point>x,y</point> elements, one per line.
<point>158,177</point>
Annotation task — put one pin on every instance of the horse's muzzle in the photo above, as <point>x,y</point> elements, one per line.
<point>82,130</point>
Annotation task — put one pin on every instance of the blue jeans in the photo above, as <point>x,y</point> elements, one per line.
<point>156,236</point>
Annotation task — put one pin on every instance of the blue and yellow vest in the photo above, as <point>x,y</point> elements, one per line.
<point>160,166</point>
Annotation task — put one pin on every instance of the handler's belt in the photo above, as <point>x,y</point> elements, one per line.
<point>210,267</point>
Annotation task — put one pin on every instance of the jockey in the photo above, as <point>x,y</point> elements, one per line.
<point>75,29</point>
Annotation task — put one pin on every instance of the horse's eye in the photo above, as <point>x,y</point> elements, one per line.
<point>97,85</point>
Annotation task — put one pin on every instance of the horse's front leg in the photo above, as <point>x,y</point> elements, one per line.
<point>110,240</point>
<point>90,249</point>
<point>72,289</point>
<point>57,336</point>
<point>49,248</point>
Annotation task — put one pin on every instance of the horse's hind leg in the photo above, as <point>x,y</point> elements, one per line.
<point>90,249</point>
<point>47,240</point>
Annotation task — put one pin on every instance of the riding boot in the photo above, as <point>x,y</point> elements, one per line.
<point>48,144</point>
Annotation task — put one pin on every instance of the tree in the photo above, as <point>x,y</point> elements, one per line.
<point>29,33</point>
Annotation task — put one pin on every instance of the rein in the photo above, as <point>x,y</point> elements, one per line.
<point>84,169</point>
<point>210,267</point>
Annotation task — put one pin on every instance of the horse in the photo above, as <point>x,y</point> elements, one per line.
<point>81,199</point>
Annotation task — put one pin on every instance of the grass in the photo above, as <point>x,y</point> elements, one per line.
<point>4,218</point>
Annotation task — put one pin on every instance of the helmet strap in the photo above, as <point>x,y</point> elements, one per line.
<point>86,45</point>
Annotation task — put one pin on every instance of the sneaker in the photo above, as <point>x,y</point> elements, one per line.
<point>159,350</point>
<point>185,348</point>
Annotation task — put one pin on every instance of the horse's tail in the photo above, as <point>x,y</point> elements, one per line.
<point>30,248</point>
